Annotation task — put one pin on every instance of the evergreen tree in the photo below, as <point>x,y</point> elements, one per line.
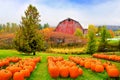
<point>7,29</point>
<point>0,27</point>
<point>46,25</point>
<point>91,47</point>
<point>27,39</point>
<point>40,27</point>
<point>14,27</point>
<point>119,45</point>
<point>103,41</point>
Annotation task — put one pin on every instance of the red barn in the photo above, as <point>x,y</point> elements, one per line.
<point>68,26</point>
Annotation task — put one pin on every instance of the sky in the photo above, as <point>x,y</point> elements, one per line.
<point>97,12</point>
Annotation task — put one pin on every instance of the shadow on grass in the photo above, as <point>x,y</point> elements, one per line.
<point>27,54</point>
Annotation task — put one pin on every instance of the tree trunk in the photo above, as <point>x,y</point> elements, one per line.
<point>34,53</point>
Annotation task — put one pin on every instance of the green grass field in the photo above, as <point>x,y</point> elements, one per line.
<point>41,71</point>
<point>113,42</point>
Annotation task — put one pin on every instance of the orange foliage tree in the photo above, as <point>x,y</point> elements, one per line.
<point>112,33</point>
<point>46,32</point>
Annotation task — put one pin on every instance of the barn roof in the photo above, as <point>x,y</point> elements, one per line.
<point>70,19</point>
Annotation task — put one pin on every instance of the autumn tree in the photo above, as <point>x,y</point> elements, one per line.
<point>47,32</point>
<point>91,46</point>
<point>111,33</point>
<point>6,40</point>
<point>92,27</point>
<point>28,39</point>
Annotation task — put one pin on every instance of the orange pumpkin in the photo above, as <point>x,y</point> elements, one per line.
<point>14,59</point>
<point>70,64</point>
<point>77,60</point>
<point>30,68</point>
<point>59,58</point>
<point>99,68</point>
<point>6,62</point>
<point>37,59</point>
<point>64,72</point>
<point>54,71</point>
<point>26,72</point>
<point>82,62</point>
<point>74,72</point>
<point>87,65</point>
<point>5,74</point>
<point>113,72</point>
<point>108,67</point>
<point>93,66</point>
<point>18,76</point>
<point>1,64</point>
<point>32,64</point>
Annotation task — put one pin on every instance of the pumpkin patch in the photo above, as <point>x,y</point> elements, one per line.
<point>16,68</point>
<point>89,63</point>
<point>57,66</point>
<point>97,66</point>
<point>107,57</point>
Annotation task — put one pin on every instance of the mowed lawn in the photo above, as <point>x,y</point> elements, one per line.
<point>41,71</point>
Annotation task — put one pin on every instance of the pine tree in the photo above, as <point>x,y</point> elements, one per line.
<point>119,46</point>
<point>27,39</point>
<point>46,25</point>
<point>103,41</point>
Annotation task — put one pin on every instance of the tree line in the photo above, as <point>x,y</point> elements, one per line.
<point>13,27</point>
<point>9,27</point>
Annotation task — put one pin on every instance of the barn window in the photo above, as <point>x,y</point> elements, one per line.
<point>58,40</point>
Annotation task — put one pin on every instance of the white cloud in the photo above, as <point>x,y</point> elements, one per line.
<point>53,13</point>
<point>106,13</point>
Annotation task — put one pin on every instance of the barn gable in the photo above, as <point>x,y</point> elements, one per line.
<point>68,26</point>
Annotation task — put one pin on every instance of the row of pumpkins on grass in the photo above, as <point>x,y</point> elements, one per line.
<point>97,66</point>
<point>63,68</point>
<point>17,68</point>
<point>107,57</point>
<point>6,61</point>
